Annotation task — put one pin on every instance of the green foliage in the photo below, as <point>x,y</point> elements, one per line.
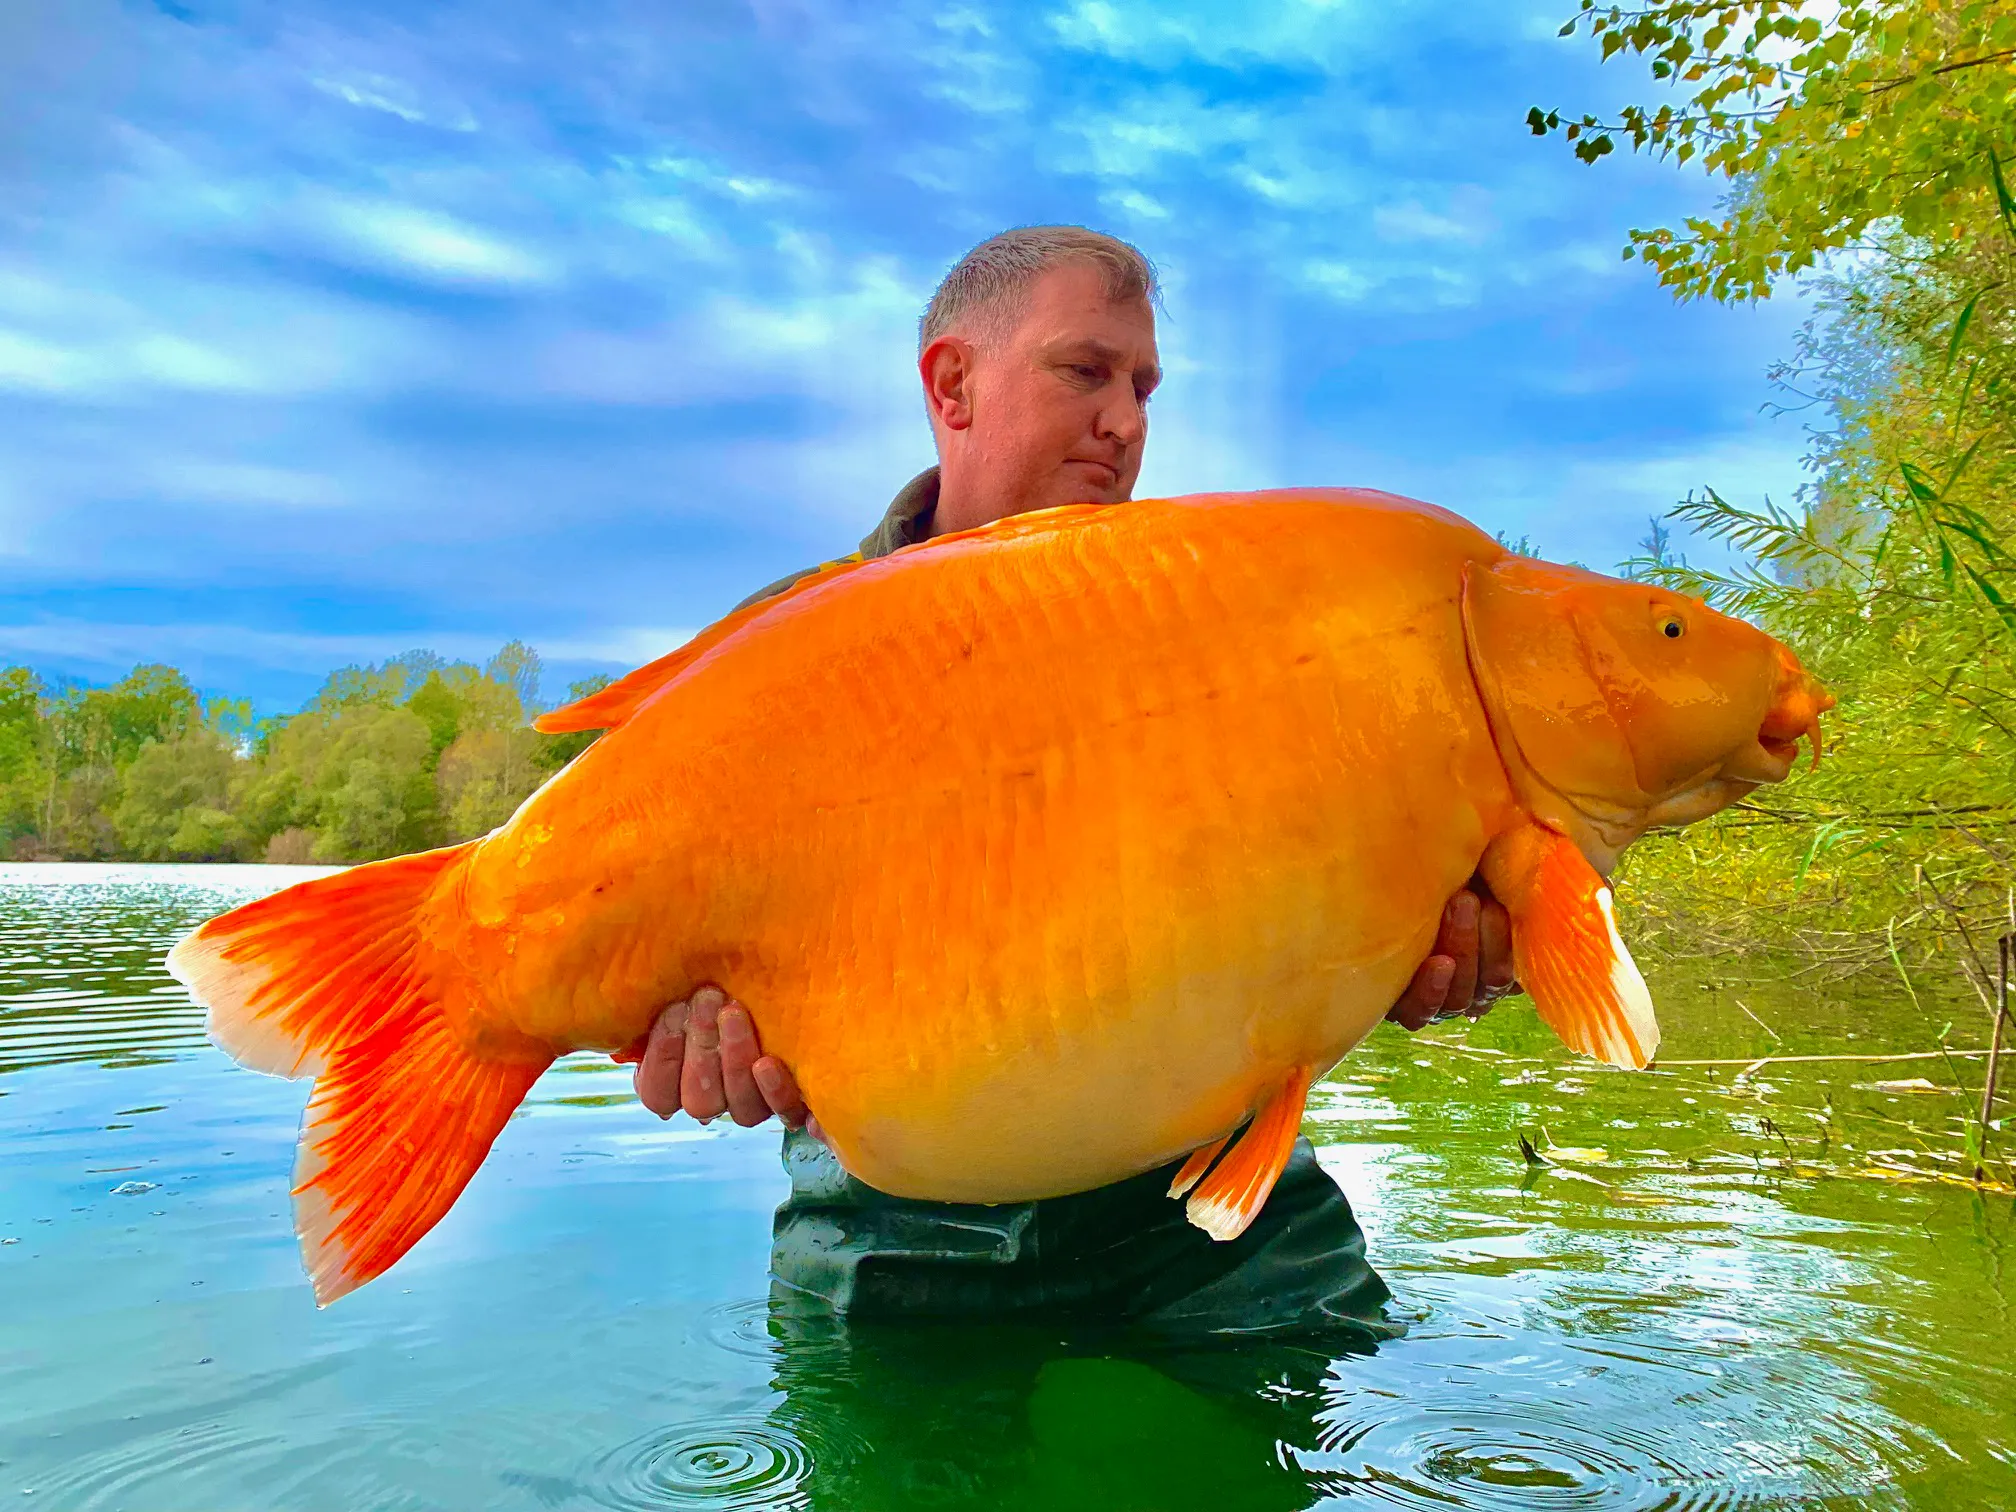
<point>413,752</point>
<point>1888,127</point>
<point>26,756</point>
<point>1894,577</point>
<point>1830,120</point>
<point>175,800</point>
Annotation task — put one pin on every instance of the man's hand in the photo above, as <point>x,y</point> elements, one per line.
<point>702,1056</point>
<point>1471,967</point>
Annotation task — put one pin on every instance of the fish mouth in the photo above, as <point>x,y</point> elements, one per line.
<point>1796,707</point>
<point>1797,703</point>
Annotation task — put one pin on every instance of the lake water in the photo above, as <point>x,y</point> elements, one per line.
<point>1726,1292</point>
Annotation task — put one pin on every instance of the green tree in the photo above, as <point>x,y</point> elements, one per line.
<point>175,801</point>
<point>1828,120</point>
<point>357,776</point>
<point>26,757</point>
<point>106,727</point>
<point>516,666</point>
<point>385,758</point>
<point>484,776</point>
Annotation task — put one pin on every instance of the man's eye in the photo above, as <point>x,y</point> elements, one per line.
<point>1089,374</point>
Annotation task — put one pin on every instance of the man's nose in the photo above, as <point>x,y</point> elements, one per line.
<point>1124,420</point>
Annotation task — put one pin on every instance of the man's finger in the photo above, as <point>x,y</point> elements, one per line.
<point>1458,941</point>
<point>780,1091</point>
<point>1495,970</point>
<point>700,1087</point>
<point>746,1103</point>
<point>658,1069</point>
<point>1424,995</point>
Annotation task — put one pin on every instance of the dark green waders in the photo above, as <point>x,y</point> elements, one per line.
<point>1124,1254</point>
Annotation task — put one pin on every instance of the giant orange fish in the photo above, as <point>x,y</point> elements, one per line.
<point>1043,853</point>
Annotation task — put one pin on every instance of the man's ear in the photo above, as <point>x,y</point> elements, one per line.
<point>947,369</point>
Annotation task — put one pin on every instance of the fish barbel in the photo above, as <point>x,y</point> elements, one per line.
<point>1043,854</point>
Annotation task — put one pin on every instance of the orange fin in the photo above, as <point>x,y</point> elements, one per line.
<point>1227,1200</point>
<point>1567,950</point>
<point>322,979</point>
<point>1195,1167</point>
<point>613,705</point>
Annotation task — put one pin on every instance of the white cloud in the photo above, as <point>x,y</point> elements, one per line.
<point>237,338</point>
<point>1467,219</point>
<point>726,182</point>
<point>122,645</point>
<point>1133,202</point>
<point>376,92</point>
<point>430,244</point>
<point>1151,131</point>
<point>246,484</point>
<point>41,366</point>
<point>177,362</point>
<point>1161,32</point>
<point>1340,280</point>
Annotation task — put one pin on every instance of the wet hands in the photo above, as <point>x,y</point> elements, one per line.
<point>702,1057</point>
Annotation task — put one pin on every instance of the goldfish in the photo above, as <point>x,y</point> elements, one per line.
<point>1044,854</point>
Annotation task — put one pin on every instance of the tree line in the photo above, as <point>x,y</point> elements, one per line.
<point>414,752</point>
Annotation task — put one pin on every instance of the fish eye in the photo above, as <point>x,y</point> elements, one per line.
<point>1671,626</point>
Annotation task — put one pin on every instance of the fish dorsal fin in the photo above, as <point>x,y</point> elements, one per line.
<point>615,704</point>
<point>611,706</point>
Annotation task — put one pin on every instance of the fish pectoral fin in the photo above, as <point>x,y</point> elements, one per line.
<point>1195,1167</point>
<point>1229,1199</point>
<point>1566,948</point>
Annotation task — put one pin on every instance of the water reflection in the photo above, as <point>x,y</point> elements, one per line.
<point>971,1417</point>
<point>80,957</point>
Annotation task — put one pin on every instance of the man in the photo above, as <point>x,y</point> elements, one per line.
<point>1038,359</point>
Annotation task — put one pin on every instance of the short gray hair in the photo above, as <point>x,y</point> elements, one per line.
<point>1003,267</point>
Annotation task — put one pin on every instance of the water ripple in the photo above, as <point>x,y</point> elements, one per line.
<point>1525,1461</point>
<point>727,1465</point>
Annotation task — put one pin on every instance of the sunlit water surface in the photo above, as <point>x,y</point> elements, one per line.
<point>1693,1307</point>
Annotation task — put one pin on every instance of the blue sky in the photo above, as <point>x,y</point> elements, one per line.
<point>333,330</point>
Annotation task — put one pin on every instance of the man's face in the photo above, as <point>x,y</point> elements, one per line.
<point>1059,404</point>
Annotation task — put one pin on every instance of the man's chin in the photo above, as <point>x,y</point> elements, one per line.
<point>1090,485</point>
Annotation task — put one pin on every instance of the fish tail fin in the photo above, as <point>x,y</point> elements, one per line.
<point>323,979</point>
<point>1230,1198</point>
<point>1568,953</point>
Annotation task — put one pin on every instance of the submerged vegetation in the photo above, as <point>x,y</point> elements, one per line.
<point>412,753</point>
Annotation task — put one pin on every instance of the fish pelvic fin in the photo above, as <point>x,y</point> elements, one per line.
<point>1225,1202</point>
<point>1567,950</point>
<point>324,980</point>
<point>1194,1168</point>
